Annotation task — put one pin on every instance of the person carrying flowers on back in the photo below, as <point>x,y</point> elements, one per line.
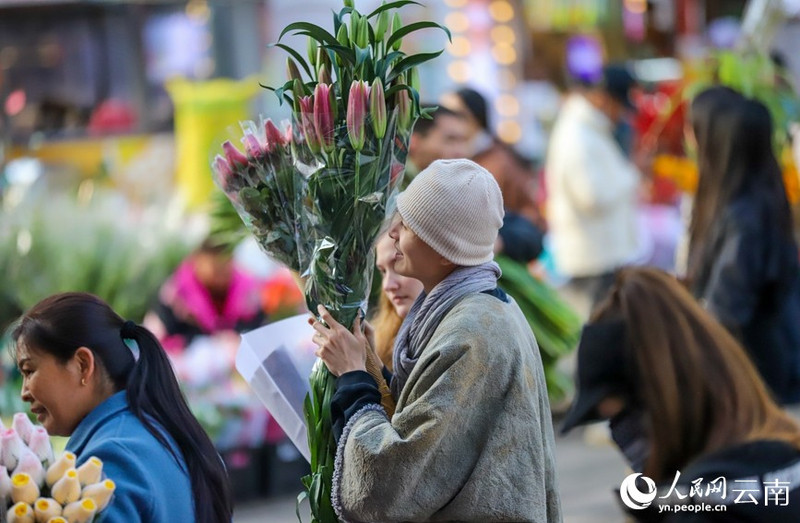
<point>471,438</point>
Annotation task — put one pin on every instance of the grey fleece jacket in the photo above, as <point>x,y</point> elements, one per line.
<point>472,437</point>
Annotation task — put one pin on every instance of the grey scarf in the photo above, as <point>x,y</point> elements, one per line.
<point>428,311</point>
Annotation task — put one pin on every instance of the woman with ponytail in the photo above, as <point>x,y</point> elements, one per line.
<point>108,385</point>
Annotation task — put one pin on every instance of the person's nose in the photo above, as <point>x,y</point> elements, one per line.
<point>393,231</point>
<point>390,283</point>
<point>25,393</point>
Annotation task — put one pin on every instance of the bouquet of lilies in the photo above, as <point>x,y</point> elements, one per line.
<point>315,192</point>
<point>36,487</point>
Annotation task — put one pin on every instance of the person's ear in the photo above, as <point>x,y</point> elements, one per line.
<point>86,364</point>
<point>444,262</point>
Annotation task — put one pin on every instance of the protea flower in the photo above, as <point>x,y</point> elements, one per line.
<point>40,440</point>
<point>90,472</point>
<point>11,446</point>
<point>100,493</point>
<point>67,489</point>
<point>82,511</point>
<point>59,468</point>
<point>323,116</point>
<point>377,108</point>
<point>5,483</point>
<point>235,158</point>
<point>20,513</point>
<point>29,464</point>
<point>357,113</point>
<point>46,508</point>
<point>23,489</point>
<point>22,424</point>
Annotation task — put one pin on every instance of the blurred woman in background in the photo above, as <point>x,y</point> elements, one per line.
<point>742,258</point>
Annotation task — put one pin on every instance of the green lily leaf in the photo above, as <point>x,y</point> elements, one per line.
<point>408,29</point>
<point>320,34</point>
<point>391,5</point>
<point>412,61</point>
<point>297,56</point>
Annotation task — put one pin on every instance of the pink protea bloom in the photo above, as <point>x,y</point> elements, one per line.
<point>40,444</point>
<point>22,424</point>
<point>11,446</point>
<point>357,113</point>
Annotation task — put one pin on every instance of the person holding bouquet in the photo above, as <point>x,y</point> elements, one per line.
<point>107,384</point>
<point>471,438</point>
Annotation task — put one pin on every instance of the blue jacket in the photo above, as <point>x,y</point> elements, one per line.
<point>152,486</point>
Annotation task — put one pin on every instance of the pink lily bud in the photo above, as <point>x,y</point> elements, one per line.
<point>22,424</point>
<point>324,77</point>
<point>252,147</point>
<point>323,116</point>
<point>307,123</point>
<point>403,103</point>
<point>357,113</point>
<point>5,483</point>
<point>396,172</point>
<point>288,134</point>
<point>29,464</point>
<point>377,108</point>
<point>11,446</point>
<point>222,167</point>
<point>274,136</point>
<point>235,158</point>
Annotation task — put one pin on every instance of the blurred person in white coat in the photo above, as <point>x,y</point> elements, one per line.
<point>592,189</point>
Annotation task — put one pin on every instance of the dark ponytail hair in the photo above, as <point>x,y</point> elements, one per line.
<point>62,323</point>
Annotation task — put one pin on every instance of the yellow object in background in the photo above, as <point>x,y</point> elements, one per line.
<point>204,111</point>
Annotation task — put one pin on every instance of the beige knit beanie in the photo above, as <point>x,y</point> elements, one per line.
<point>456,207</point>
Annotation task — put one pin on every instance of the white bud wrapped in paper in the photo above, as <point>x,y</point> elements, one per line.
<point>23,489</point>
<point>100,493</point>
<point>40,445</point>
<point>67,489</point>
<point>5,484</point>
<point>91,471</point>
<point>22,424</point>
<point>45,509</point>
<point>29,464</point>
<point>11,446</point>
<point>57,519</point>
<point>20,513</point>
<point>82,511</point>
<point>57,469</point>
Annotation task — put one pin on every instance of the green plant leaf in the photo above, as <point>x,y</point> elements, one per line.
<point>345,53</point>
<point>408,29</point>
<point>391,5</point>
<point>297,56</point>
<point>318,33</point>
<point>411,61</point>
